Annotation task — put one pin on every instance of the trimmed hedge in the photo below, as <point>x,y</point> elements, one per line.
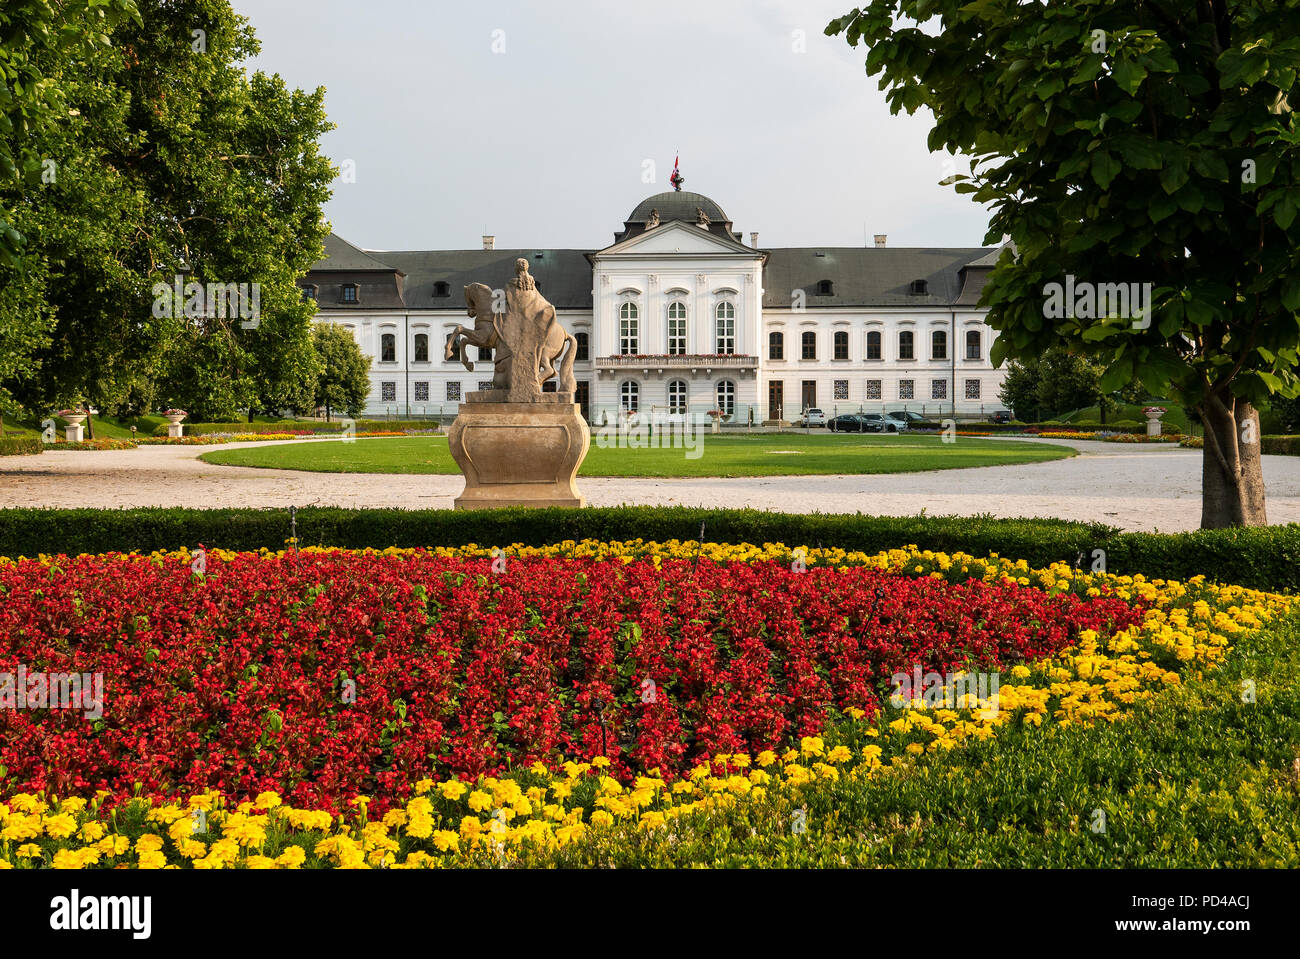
<point>1264,558</point>
<point>316,426</point>
<point>20,445</point>
<point>1280,445</point>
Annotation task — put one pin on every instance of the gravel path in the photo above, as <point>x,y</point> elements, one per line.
<point>1132,487</point>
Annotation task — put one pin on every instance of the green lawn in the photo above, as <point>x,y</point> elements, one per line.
<point>765,454</point>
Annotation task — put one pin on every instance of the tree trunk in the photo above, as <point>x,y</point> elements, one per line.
<point>1232,480</point>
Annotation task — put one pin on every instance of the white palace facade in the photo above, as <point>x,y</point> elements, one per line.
<point>679,316</point>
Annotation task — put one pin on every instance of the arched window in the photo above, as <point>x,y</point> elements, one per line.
<point>422,347</point>
<point>455,350</point>
<point>630,396</point>
<point>726,314</point>
<point>677,396</point>
<point>906,348</point>
<point>776,346</point>
<point>628,332</point>
<point>677,328</point>
<point>581,352</point>
<point>485,353</point>
<point>809,345</point>
<point>388,348</point>
<point>939,345</point>
<point>873,345</point>
<point>727,397</point>
<point>973,349</point>
<point>841,344</point>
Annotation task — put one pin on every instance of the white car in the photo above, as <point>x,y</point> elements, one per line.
<point>812,417</point>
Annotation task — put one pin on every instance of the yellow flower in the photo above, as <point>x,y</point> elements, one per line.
<point>479,800</point>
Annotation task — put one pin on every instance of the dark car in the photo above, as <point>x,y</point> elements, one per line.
<point>845,423</point>
<point>875,423</point>
<point>1002,416</point>
<point>910,417</point>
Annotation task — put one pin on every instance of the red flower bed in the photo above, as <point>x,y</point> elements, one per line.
<point>340,674</point>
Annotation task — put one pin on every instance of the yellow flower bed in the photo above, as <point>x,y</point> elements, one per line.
<point>1189,628</point>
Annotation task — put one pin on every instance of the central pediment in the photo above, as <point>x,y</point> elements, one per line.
<point>677,237</point>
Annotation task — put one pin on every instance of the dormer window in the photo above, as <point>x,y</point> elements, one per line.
<point>441,288</point>
<point>309,293</point>
<point>349,293</point>
<point>919,288</point>
<point>825,288</point>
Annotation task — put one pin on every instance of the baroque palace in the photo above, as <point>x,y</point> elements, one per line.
<point>680,316</point>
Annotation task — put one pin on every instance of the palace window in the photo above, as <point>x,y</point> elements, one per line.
<point>726,314</point>
<point>973,350</point>
<point>388,348</point>
<point>841,389</point>
<point>938,389</point>
<point>455,351</point>
<point>939,345</point>
<point>580,355</point>
<point>442,288</point>
<point>873,345</point>
<point>873,389</point>
<point>727,397</point>
<point>348,293</point>
<point>453,390</point>
<point>841,345</point>
<point>906,389</point>
<point>308,293</point>
<point>485,352</point>
<point>809,345</point>
<point>825,288</point>
<point>485,384</point>
<point>421,391</point>
<point>972,389</point>
<point>677,328</point>
<point>388,391</point>
<point>422,347</point>
<point>906,349</point>
<point>628,334</point>
<point>919,288</point>
<point>677,396</point>
<point>630,396</point>
<point>776,346</point>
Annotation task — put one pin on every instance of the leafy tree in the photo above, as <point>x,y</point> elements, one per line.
<point>175,162</point>
<point>1144,142</point>
<point>344,378</point>
<point>1020,390</point>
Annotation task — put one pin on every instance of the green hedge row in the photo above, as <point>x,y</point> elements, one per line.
<point>1267,558</point>
<point>362,426</point>
<point>1280,445</point>
<point>19,445</point>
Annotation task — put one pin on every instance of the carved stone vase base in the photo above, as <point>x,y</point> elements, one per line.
<point>519,454</point>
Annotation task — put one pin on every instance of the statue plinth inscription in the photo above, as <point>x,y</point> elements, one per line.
<point>517,445</point>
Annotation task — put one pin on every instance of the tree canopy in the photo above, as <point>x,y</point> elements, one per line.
<point>1145,143</point>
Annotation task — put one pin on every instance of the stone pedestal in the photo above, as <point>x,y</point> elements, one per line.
<point>72,433</point>
<point>175,431</point>
<point>1153,423</point>
<point>519,454</point>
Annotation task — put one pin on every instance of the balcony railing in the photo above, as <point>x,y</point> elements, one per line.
<point>677,361</point>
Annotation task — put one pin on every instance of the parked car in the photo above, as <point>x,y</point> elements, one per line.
<point>899,420</point>
<point>812,417</point>
<point>1003,416</point>
<point>875,423</point>
<point>846,423</point>
<point>910,417</point>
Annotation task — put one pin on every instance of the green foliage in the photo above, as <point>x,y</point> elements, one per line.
<point>1280,445</point>
<point>20,445</point>
<point>343,381</point>
<point>1264,558</point>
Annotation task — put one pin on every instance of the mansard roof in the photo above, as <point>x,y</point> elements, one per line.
<point>859,276</point>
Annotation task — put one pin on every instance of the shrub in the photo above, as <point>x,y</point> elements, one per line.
<point>1280,445</point>
<point>20,445</point>
<point>1263,558</point>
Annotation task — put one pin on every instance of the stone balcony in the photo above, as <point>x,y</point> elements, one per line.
<point>660,363</point>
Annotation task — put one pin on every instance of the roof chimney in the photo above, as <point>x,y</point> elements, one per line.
<point>753,240</point>
<point>489,242</point>
<point>880,241</point>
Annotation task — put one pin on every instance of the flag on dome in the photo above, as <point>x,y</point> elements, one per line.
<point>676,179</point>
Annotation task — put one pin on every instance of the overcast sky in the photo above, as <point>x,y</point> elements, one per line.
<point>546,143</point>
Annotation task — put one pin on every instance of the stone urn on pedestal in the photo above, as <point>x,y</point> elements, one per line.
<point>174,429</point>
<point>518,445</point>
<point>1153,414</point>
<point>72,433</point>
